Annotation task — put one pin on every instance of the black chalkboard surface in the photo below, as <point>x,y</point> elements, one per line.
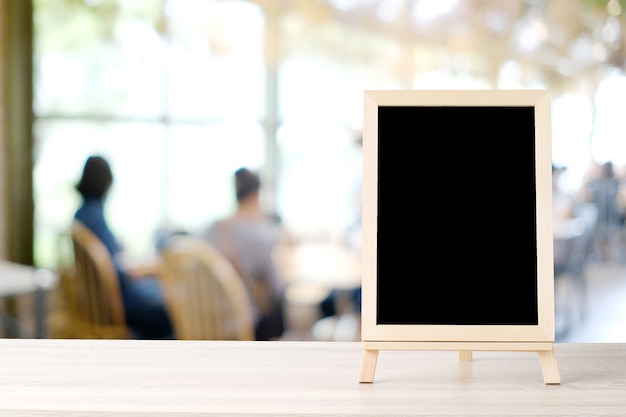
<point>456,215</point>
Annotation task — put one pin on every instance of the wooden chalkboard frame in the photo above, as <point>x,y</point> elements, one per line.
<point>467,338</point>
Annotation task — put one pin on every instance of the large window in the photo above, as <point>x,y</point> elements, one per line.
<point>180,93</point>
<point>172,93</point>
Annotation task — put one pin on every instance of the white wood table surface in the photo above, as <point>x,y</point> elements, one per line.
<point>61,378</point>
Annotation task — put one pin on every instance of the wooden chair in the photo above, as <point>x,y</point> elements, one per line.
<point>205,296</point>
<point>92,297</point>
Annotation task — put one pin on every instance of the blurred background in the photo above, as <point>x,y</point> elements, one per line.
<point>180,93</point>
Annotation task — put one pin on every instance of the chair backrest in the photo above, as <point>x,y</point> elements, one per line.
<point>205,296</point>
<point>91,290</point>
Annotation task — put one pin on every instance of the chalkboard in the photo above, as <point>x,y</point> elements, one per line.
<point>456,216</point>
<point>457,223</point>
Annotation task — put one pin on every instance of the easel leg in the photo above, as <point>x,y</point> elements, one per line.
<point>465,355</point>
<point>368,366</point>
<point>549,367</point>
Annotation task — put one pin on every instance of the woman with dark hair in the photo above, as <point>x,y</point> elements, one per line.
<point>145,310</point>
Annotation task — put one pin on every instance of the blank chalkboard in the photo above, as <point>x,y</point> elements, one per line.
<point>456,216</point>
<point>457,238</point>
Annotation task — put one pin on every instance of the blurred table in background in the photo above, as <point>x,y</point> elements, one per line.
<point>313,270</point>
<point>329,265</point>
<point>317,268</point>
<point>16,280</point>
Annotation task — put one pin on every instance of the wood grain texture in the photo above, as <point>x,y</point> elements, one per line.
<point>71,378</point>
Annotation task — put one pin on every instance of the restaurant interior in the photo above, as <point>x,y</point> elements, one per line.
<point>179,94</point>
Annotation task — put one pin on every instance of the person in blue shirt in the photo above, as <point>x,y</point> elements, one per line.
<point>146,314</point>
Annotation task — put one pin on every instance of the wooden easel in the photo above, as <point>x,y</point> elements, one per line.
<point>547,357</point>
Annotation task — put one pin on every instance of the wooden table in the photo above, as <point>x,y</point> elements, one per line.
<point>124,378</point>
<point>333,266</point>
<point>18,279</point>
<point>311,272</point>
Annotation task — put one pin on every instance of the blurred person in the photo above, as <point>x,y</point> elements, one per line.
<point>603,191</point>
<point>247,238</point>
<point>565,223</point>
<point>144,306</point>
<point>563,203</point>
